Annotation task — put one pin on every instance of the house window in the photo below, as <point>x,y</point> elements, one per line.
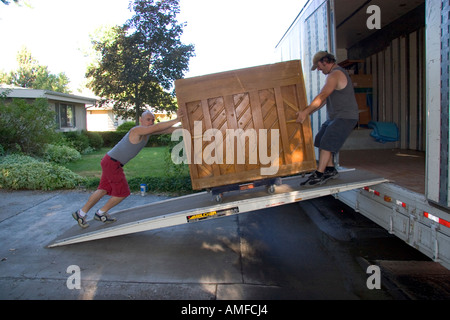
<point>66,114</point>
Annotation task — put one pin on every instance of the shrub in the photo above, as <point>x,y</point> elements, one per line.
<point>159,140</point>
<point>174,184</point>
<point>23,172</point>
<point>95,139</point>
<point>111,138</point>
<point>165,139</point>
<point>171,168</point>
<point>126,126</point>
<point>60,154</point>
<point>26,127</point>
<point>17,159</point>
<point>77,140</point>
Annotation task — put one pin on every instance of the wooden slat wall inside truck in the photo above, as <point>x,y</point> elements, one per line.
<point>265,97</point>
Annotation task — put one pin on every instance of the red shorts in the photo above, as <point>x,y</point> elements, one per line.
<point>113,179</point>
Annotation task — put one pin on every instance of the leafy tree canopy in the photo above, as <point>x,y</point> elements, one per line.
<point>30,74</point>
<point>139,61</point>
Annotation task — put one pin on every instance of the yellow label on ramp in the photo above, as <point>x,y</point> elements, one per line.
<point>210,214</point>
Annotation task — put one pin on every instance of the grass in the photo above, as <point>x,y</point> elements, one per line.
<point>89,165</point>
<point>150,166</point>
<point>149,162</point>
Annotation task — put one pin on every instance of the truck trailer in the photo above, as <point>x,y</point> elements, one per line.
<point>397,54</point>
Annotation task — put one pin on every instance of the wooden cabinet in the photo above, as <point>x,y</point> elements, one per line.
<point>240,125</point>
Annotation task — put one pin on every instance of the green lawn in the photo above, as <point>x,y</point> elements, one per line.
<point>150,166</point>
<point>149,162</point>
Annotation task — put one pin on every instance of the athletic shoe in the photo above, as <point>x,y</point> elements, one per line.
<point>314,179</point>
<point>105,218</point>
<point>331,173</point>
<point>81,220</point>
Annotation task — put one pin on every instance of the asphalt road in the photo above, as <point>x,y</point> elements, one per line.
<point>312,250</point>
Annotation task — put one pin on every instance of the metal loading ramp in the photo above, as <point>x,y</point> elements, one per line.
<point>201,206</point>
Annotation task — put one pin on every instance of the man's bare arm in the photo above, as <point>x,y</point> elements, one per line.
<point>168,130</point>
<point>154,129</point>
<point>320,100</point>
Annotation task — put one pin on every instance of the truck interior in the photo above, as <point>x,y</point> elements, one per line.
<point>388,70</point>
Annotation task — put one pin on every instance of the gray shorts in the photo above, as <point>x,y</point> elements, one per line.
<point>333,133</point>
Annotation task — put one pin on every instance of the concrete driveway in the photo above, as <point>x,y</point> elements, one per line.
<point>275,254</point>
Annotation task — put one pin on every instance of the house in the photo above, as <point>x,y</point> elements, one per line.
<point>104,119</point>
<point>70,109</point>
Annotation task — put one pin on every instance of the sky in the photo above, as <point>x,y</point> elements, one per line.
<point>227,34</point>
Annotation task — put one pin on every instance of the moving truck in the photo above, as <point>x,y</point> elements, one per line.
<point>397,53</point>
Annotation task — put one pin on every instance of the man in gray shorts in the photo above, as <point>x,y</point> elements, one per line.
<point>342,115</point>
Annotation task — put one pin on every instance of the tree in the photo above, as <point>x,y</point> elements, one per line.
<point>140,60</point>
<point>31,74</point>
<point>28,70</point>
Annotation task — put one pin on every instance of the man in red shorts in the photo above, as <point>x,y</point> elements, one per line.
<point>113,181</point>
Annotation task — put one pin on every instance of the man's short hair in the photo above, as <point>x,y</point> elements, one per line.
<point>329,58</point>
<point>147,112</point>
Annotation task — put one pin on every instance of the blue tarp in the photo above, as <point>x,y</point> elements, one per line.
<point>384,131</point>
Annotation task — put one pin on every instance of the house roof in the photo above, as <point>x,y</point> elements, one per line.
<point>24,93</point>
